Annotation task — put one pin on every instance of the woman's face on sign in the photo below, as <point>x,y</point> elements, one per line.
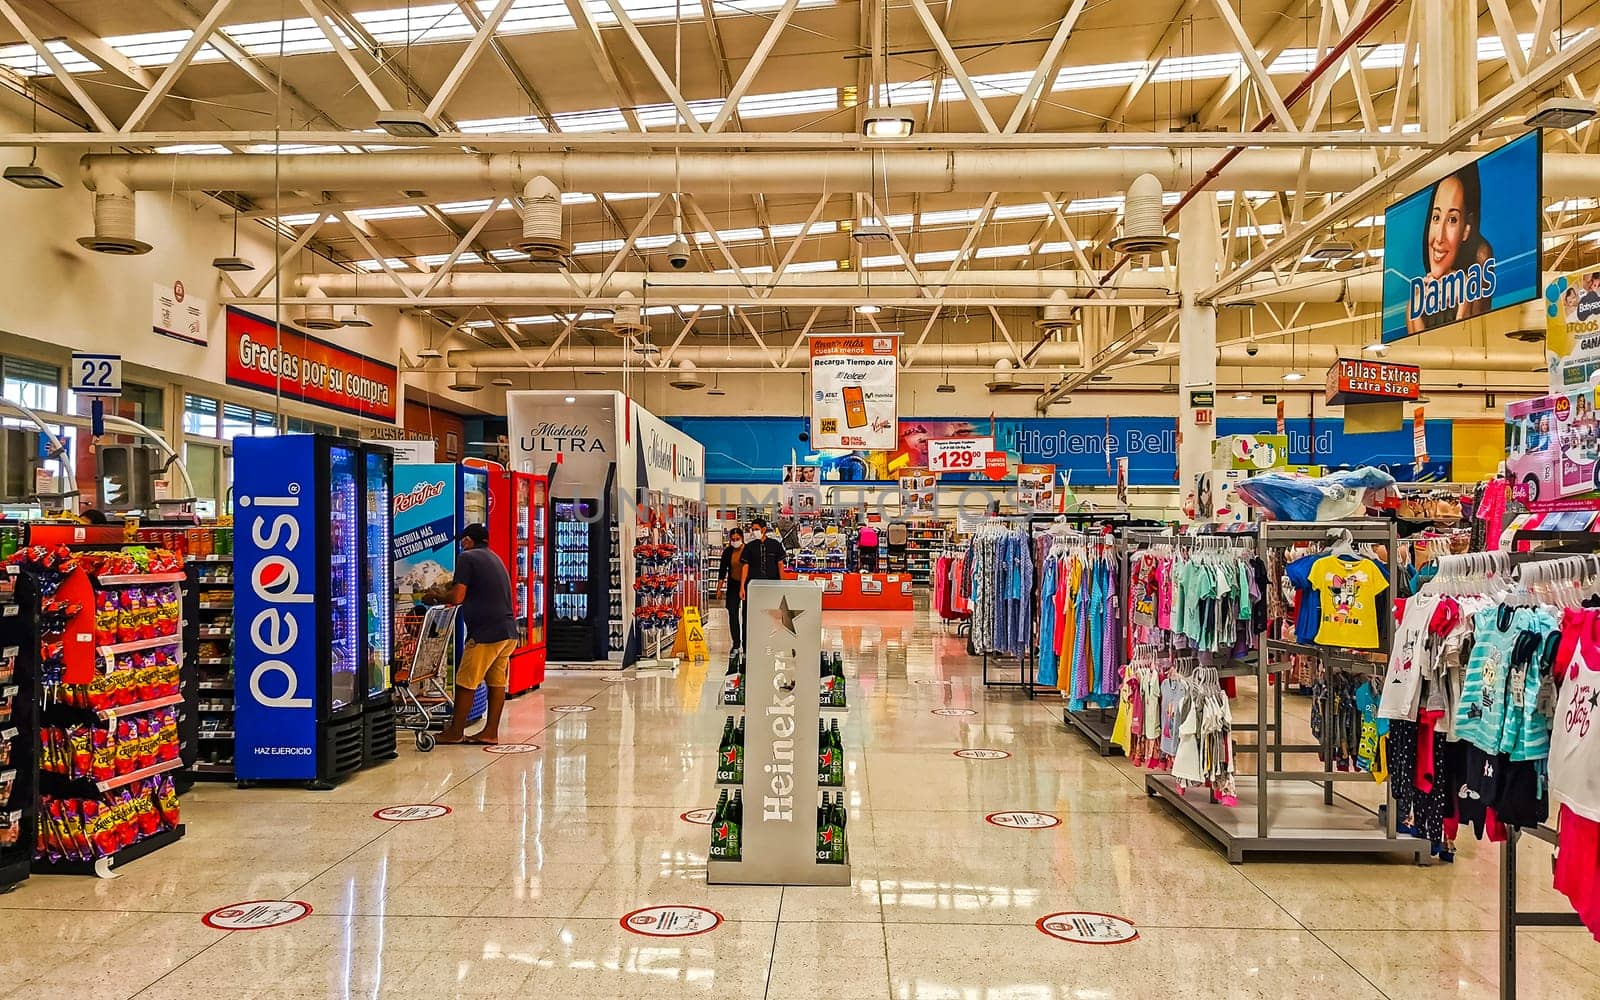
<point>1448,227</point>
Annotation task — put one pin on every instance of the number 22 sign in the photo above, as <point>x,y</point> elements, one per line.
<point>96,374</point>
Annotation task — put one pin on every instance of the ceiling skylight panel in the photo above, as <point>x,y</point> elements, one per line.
<point>1014,250</point>
<point>813,266</point>
<point>883,260</point>
<point>296,36</point>
<point>470,207</point>
<point>791,230</point>
<point>194,148</point>
<point>395,264</point>
<point>936,256</point>
<point>599,120</point>
<point>1387,56</point>
<point>893,222</point>
<point>598,246</point>
<point>951,217</point>
<point>489,126</point>
<point>526,16</point>
<point>1298,61</point>
<point>654,242</point>
<point>1055,246</point>
<point>1196,67</point>
<point>624,195</point>
<point>24,60</point>
<point>440,22</point>
<point>506,253</point>
<point>990,85</point>
<point>302,219</point>
<point>577,198</point>
<point>291,148</point>
<point>666,115</point>
<point>159,48</point>
<point>393,212</point>
<point>479,324</point>
<point>732,235</point>
<point>1110,203</point>
<point>1037,210</point>
<point>1575,205</point>
<point>435,259</point>
<point>901,94</point>
<point>794,102</point>
<point>1099,75</point>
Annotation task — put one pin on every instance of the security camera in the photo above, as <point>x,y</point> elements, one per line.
<point>678,253</point>
<point>1252,350</point>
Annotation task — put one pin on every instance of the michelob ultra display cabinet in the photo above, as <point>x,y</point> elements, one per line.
<point>781,817</point>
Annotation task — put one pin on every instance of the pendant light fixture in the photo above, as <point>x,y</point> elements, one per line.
<point>883,121</point>
<point>233,263</point>
<point>32,176</point>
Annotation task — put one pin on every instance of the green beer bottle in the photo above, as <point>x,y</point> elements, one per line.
<point>837,668</point>
<point>825,695</point>
<point>840,816</point>
<point>734,850</point>
<point>824,834</point>
<point>719,829</point>
<point>738,749</point>
<point>726,756</point>
<point>824,753</point>
<point>836,745</point>
<point>733,684</point>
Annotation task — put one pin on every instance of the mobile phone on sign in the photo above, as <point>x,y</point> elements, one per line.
<point>855,407</point>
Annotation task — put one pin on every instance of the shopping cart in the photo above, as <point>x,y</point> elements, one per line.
<point>425,702</point>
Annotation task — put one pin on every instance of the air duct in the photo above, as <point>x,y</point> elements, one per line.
<point>542,237</point>
<point>1002,379</point>
<point>627,321</point>
<point>1055,316</point>
<point>687,377</point>
<point>317,315</point>
<point>1144,230</point>
<point>114,224</point>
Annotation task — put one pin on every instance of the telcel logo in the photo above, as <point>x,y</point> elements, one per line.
<point>275,579</point>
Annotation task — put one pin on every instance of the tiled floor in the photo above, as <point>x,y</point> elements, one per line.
<point>519,891</point>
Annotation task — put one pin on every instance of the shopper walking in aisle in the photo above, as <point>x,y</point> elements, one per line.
<point>731,577</point>
<point>763,560</point>
<point>482,589</point>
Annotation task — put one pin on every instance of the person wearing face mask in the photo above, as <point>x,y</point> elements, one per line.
<point>763,558</point>
<point>731,584</point>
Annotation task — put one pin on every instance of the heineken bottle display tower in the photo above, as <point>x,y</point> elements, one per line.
<point>781,813</point>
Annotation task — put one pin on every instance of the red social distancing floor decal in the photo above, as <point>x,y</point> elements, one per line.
<point>954,711</point>
<point>256,914</point>
<point>511,748</point>
<point>570,709</point>
<point>671,921</point>
<point>699,817</point>
<point>1087,928</point>
<point>411,813</point>
<point>980,753</point>
<point>1024,820</point>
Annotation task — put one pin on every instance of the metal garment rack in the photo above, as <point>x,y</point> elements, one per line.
<point>1511,917</point>
<point>1097,724</point>
<point>1298,812</point>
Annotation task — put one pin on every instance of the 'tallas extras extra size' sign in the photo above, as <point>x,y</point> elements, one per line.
<point>1353,380</point>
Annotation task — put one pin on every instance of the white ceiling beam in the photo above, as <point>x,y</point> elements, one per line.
<point>1506,28</point>
<point>358,232</point>
<point>758,59</point>
<point>1158,55</point>
<point>942,44</point>
<point>299,244</point>
<point>468,59</point>
<point>74,90</point>
<point>1039,83</point>
<point>324,23</point>
<point>91,46</point>
<point>1281,35</point>
<point>589,31</point>
<point>197,38</point>
<point>461,247</point>
<point>1252,62</point>
<point>611,268</point>
<point>665,82</point>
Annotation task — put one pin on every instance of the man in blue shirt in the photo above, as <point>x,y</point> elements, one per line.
<point>482,590</point>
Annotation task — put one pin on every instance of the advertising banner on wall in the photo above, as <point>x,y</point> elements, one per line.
<point>1467,244</point>
<point>1572,329</point>
<point>281,360</point>
<point>1553,451</point>
<point>179,314</point>
<point>801,494</point>
<point>853,382</point>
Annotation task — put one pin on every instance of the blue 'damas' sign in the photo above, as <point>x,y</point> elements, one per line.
<point>755,449</point>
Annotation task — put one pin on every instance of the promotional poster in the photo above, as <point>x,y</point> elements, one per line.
<point>801,494</point>
<point>917,492</point>
<point>1572,329</point>
<point>1466,245</point>
<point>279,359</point>
<point>1036,488</point>
<point>1552,452</point>
<point>424,542</point>
<point>853,381</point>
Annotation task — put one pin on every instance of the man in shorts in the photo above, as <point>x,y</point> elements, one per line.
<point>482,589</point>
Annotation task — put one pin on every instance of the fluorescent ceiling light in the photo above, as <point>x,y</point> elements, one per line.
<point>1293,377</point>
<point>1241,394</point>
<point>33,177</point>
<point>407,124</point>
<point>886,123</point>
<point>868,309</point>
<point>1561,113</point>
<point>1376,348</point>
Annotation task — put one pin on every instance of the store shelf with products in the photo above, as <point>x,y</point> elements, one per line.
<point>18,729</point>
<point>211,700</point>
<point>109,699</point>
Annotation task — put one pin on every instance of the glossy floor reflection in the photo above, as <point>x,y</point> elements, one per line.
<point>520,889</point>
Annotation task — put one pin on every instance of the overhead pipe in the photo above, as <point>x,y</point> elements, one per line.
<point>693,287</point>
<point>905,171</point>
<point>931,358</point>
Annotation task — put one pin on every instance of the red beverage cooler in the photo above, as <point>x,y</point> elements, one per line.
<point>519,518</point>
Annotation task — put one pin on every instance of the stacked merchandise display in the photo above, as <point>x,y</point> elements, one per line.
<point>657,588</point>
<point>924,538</point>
<point>1338,615</point>
<point>210,566</point>
<point>107,627</point>
<point>582,581</point>
<point>772,843</point>
<point>18,744</point>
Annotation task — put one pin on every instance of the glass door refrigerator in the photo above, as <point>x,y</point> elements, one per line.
<point>579,568</point>
<point>528,529</point>
<point>299,603</point>
<point>377,576</point>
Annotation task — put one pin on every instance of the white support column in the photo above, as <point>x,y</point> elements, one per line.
<point>1448,69</point>
<point>1199,257</point>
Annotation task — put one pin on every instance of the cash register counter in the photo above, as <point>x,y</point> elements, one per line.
<point>859,591</point>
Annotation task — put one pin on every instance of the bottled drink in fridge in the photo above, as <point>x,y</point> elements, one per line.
<point>824,754</point>
<point>719,829</point>
<point>727,756</point>
<point>734,844</point>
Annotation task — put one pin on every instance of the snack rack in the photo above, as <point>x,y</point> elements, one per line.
<point>18,773</point>
<point>108,697</point>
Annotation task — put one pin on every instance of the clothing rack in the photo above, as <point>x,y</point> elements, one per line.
<point>1096,724</point>
<point>1511,916</point>
<point>1274,801</point>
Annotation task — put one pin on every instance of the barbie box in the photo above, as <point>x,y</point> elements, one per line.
<point>1552,451</point>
